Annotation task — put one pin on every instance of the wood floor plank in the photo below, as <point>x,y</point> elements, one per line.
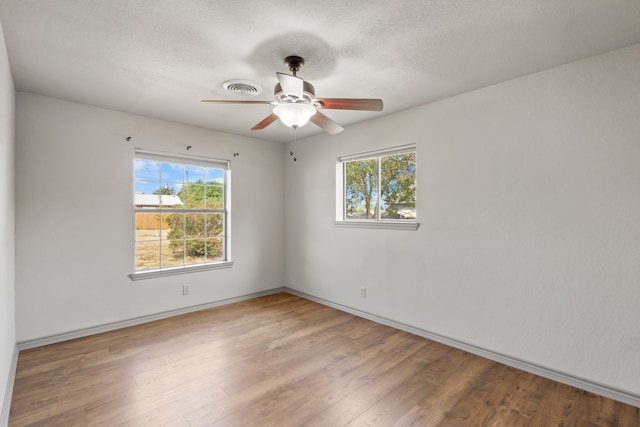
<point>281,360</point>
<point>384,380</point>
<point>341,379</point>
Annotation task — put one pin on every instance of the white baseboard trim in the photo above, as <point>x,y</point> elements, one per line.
<point>604,390</point>
<point>8,393</point>
<point>79,333</point>
<point>619,395</point>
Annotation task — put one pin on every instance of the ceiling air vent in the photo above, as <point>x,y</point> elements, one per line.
<point>243,88</point>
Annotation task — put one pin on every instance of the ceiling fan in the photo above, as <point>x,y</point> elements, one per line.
<point>296,103</point>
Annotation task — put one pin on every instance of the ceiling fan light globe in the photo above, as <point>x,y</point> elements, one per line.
<point>294,115</point>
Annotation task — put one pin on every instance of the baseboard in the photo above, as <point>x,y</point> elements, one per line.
<point>552,374</point>
<point>6,403</point>
<point>79,333</point>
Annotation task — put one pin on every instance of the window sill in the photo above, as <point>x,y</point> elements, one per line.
<point>172,271</point>
<point>389,225</point>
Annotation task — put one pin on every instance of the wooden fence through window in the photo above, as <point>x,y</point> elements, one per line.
<point>150,221</point>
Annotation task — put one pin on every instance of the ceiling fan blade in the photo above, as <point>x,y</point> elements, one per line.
<point>326,124</point>
<point>266,122</point>
<point>291,85</point>
<point>349,104</point>
<point>215,101</point>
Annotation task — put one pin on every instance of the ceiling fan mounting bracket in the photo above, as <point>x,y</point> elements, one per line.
<point>295,63</point>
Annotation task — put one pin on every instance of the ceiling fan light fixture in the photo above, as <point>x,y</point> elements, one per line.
<point>295,114</point>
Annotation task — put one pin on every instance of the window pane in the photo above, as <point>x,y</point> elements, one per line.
<point>215,188</point>
<point>214,225</point>
<point>192,196</point>
<point>175,225</point>
<point>172,172</point>
<point>194,225</point>
<point>148,226</point>
<point>195,251</point>
<point>169,197</point>
<point>147,187</point>
<point>361,195</point>
<point>214,196</point>
<point>172,253</point>
<point>215,249</point>
<point>193,174</point>
<point>214,176</point>
<point>147,255</point>
<point>398,186</point>
<point>148,170</point>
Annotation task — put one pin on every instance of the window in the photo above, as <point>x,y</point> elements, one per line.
<point>181,214</point>
<point>377,189</point>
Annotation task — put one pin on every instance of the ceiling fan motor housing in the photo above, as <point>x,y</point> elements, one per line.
<point>308,94</point>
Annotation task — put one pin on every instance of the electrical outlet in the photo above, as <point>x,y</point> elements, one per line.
<point>363,292</point>
<point>186,290</point>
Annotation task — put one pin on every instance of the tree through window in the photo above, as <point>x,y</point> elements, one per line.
<point>180,211</point>
<point>380,187</point>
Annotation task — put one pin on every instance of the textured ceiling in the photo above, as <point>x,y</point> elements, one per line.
<point>158,58</point>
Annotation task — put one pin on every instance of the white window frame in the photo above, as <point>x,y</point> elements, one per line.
<point>340,214</point>
<point>192,161</point>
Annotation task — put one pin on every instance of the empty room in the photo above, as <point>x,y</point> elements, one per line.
<point>296,213</point>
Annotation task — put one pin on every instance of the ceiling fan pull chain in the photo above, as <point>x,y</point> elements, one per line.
<point>293,142</point>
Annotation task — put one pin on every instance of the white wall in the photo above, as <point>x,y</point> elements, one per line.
<point>528,202</point>
<point>7,230</point>
<point>74,217</point>
<point>529,212</point>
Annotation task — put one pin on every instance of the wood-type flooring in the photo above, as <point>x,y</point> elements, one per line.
<point>281,360</point>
